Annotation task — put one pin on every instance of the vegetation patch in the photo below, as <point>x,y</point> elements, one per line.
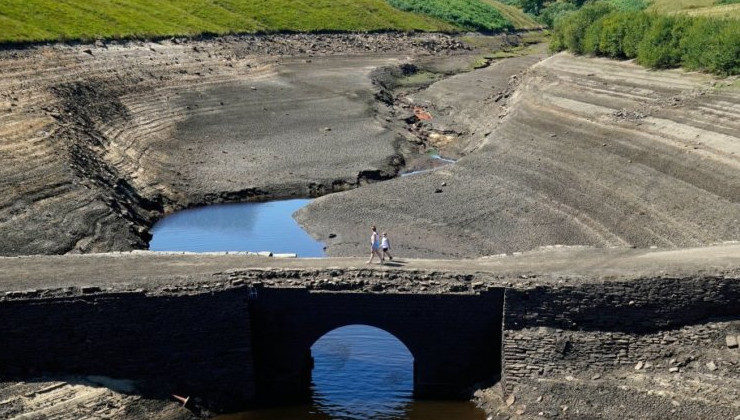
<point>473,15</point>
<point>672,6</point>
<point>712,8</point>
<point>515,15</point>
<point>656,41</point>
<point>421,78</point>
<point>52,20</point>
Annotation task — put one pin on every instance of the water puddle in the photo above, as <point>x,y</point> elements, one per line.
<point>251,227</point>
<point>429,161</point>
<point>362,372</point>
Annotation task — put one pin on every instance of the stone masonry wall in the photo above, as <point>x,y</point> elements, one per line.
<point>573,328</point>
<point>181,342</point>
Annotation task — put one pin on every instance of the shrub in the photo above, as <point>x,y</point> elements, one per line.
<point>590,43</point>
<point>571,30</point>
<point>660,48</point>
<point>637,25</point>
<point>469,14</point>
<point>612,30</point>
<point>629,5</point>
<point>696,43</point>
<point>723,50</point>
<point>556,11</point>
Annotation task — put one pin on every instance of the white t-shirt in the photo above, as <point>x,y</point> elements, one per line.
<point>384,243</point>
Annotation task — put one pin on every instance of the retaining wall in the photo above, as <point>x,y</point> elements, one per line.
<point>572,328</point>
<point>192,345</point>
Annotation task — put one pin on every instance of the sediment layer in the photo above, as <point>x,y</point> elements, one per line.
<point>99,141</point>
<point>572,150</point>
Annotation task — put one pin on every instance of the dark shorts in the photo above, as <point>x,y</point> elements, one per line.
<point>385,249</point>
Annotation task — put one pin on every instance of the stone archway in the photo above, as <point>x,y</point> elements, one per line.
<point>455,338</point>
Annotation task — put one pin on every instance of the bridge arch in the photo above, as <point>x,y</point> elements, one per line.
<point>455,339</point>
<point>389,329</point>
<point>360,371</point>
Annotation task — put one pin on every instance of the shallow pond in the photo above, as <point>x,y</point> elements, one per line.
<point>361,372</point>
<point>255,227</point>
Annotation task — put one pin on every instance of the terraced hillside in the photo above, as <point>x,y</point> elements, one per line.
<point>96,142</point>
<point>586,152</point>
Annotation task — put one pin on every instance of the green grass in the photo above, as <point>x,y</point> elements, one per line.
<point>515,15</point>
<point>473,15</point>
<point>710,8</point>
<point>671,6</point>
<point>420,78</point>
<point>51,20</point>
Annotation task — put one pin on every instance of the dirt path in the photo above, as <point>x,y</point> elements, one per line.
<point>155,269</point>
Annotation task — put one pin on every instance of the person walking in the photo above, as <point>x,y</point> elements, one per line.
<point>375,246</point>
<point>385,245</point>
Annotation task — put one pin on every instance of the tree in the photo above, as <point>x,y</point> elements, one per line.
<point>532,6</point>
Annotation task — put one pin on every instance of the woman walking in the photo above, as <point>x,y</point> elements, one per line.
<point>375,246</point>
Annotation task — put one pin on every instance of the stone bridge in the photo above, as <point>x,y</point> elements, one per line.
<point>455,339</point>
<point>231,337</point>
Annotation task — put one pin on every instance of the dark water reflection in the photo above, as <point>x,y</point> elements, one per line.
<point>362,372</point>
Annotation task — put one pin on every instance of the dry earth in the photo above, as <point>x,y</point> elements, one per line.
<point>584,152</point>
<point>99,141</point>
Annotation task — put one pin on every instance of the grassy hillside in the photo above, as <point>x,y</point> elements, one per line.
<point>515,15</point>
<point>712,8</point>
<point>42,20</point>
<point>473,15</point>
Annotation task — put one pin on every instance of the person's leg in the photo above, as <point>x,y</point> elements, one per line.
<point>372,254</point>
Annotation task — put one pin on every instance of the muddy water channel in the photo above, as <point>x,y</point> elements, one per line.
<point>360,372</point>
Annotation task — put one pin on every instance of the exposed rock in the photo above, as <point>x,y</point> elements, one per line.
<point>731,341</point>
